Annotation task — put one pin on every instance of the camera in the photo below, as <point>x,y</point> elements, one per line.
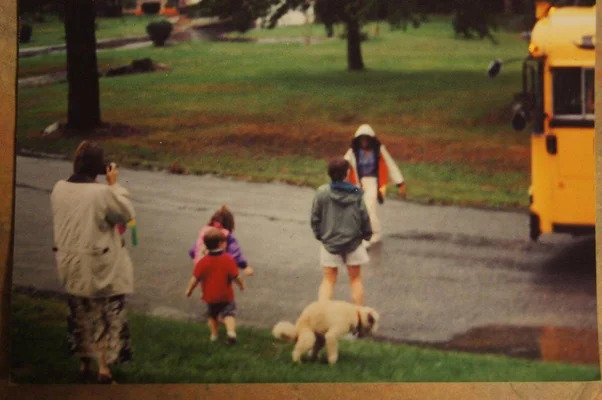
<point>104,168</point>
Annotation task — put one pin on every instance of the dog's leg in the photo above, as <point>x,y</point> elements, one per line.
<point>318,345</point>
<point>305,341</point>
<point>332,338</point>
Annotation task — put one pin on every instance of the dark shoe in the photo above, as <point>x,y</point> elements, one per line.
<point>231,340</point>
<point>105,379</point>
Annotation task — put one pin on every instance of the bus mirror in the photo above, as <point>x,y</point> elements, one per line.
<point>519,118</point>
<point>494,68</point>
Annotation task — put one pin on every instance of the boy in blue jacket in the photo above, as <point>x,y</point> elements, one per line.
<point>339,219</point>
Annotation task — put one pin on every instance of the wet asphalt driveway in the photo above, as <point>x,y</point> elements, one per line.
<point>440,272</point>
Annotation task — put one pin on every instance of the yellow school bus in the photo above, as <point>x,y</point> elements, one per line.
<point>558,100</point>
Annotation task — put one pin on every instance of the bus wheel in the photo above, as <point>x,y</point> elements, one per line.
<point>534,231</point>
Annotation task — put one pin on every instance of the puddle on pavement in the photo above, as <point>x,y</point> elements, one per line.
<point>553,344</point>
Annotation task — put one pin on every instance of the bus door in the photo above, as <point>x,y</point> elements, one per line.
<point>570,143</point>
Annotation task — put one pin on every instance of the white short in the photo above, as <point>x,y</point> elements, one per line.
<point>358,256</point>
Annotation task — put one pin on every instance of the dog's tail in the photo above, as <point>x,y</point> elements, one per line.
<point>284,330</point>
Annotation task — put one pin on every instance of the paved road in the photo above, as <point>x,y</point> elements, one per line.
<point>440,271</point>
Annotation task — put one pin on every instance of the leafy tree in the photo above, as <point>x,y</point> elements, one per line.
<point>354,13</point>
<point>326,13</point>
<point>351,13</point>
<point>242,13</point>
<point>473,17</point>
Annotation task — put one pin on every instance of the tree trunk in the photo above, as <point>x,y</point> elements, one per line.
<point>354,50</point>
<point>508,7</point>
<point>82,68</point>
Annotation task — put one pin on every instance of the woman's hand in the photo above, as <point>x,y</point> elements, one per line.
<point>248,271</point>
<point>112,174</point>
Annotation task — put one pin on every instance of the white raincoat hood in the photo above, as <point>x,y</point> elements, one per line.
<point>365,129</point>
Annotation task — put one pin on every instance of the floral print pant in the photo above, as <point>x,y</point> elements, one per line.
<point>98,327</point>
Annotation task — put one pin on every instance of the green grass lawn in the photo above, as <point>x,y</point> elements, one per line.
<point>52,31</point>
<point>277,111</point>
<point>169,351</point>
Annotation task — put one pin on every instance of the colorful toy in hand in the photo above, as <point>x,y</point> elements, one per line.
<point>132,225</point>
<point>121,228</point>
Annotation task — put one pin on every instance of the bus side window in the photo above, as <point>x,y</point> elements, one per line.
<point>589,91</point>
<point>567,91</point>
<point>573,93</point>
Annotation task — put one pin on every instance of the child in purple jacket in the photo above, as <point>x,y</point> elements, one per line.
<point>224,220</point>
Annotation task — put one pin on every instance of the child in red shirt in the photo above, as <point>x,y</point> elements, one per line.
<point>216,271</point>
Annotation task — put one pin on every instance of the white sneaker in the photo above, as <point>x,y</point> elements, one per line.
<point>213,338</point>
<point>349,336</point>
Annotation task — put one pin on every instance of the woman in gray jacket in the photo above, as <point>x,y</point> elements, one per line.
<point>94,266</point>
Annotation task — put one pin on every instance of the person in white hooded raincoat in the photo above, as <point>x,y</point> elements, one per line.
<point>372,169</point>
<point>93,264</point>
